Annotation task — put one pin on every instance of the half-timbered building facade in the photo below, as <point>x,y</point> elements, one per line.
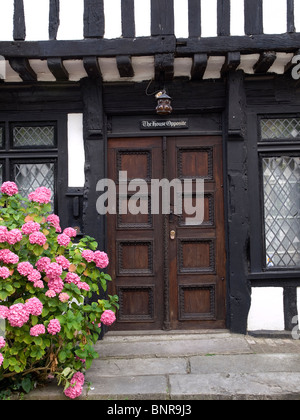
<point>77,106</point>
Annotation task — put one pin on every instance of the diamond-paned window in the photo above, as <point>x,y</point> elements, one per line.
<point>39,136</point>
<point>30,176</point>
<point>281,180</point>
<point>280,129</point>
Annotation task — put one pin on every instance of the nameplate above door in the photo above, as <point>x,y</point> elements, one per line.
<point>170,124</point>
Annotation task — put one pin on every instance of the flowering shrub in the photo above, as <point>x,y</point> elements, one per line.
<point>45,278</point>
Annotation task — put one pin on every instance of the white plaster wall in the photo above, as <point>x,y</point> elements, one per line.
<point>76,154</point>
<point>71,25</point>
<point>267,312</point>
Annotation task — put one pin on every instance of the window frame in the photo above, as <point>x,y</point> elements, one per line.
<point>259,274</point>
<point>264,248</point>
<point>57,154</point>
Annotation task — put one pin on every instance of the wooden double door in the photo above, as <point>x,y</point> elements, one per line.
<point>168,268</point>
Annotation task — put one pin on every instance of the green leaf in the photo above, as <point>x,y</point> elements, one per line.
<point>27,385</point>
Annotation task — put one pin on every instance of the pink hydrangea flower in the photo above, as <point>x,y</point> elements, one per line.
<point>43,263</point>
<point>14,236</point>
<point>4,272</point>
<point>50,293</point>
<point>37,238</point>
<point>30,227</point>
<point>56,285</point>
<point>37,330</point>
<point>71,232</point>
<point>88,255</point>
<point>53,271</point>
<point>34,276</point>
<point>79,377</point>
<point>3,234</point>
<point>18,315</point>
<point>4,311</point>
<point>63,239</point>
<point>101,259</point>
<point>9,188</point>
<point>1,359</point>
<point>54,327</point>
<point>83,286</point>
<point>2,342</point>
<point>8,257</point>
<point>63,262</point>
<point>108,317</point>
<point>41,195</point>
<point>64,297</point>
<point>54,220</point>
<point>25,268</point>
<point>39,284</point>
<point>72,278</point>
<point>34,306</point>
<point>76,386</point>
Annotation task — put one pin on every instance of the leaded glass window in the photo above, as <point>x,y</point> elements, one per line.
<point>30,176</point>
<point>34,136</point>
<point>280,129</point>
<point>281,181</point>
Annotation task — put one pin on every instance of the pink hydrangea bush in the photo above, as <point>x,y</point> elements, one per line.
<point>45,281</point>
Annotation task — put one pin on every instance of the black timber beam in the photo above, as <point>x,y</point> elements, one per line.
<point>265,62</point>
<point>233,60</point>
<point>124,65</point>
<point>94,23</point>
<point>91,66</point>
<point>53,18</point>
<point>194,13</point>
<point>253,17</point>
<point>199,66</point>
<point>239,291</point>
<point>145,46</point>
<point>162,17</point>
<point>223,12</point>
<point>22,67</point>
<point>88,47</point>
<point>19,32</point>
<point>242,44</point>
<point>164,67</point>
<point>128,21</point>
<point>290,16</point>
<point>58,69</point>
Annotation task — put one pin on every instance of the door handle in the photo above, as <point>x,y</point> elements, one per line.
<point>172,235</point>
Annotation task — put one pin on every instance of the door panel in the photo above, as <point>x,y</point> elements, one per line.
<point>168,270</point>
<point>136,241</point>
<point>197,255</point>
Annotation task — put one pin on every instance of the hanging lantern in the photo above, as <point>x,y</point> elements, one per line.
<point>163,103</point>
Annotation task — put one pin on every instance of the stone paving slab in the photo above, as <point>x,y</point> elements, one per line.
<point>221,386</point>
<point>137,366</point>
<point>252,363</point>
<point>173,348</point>
<point>130,387</point>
